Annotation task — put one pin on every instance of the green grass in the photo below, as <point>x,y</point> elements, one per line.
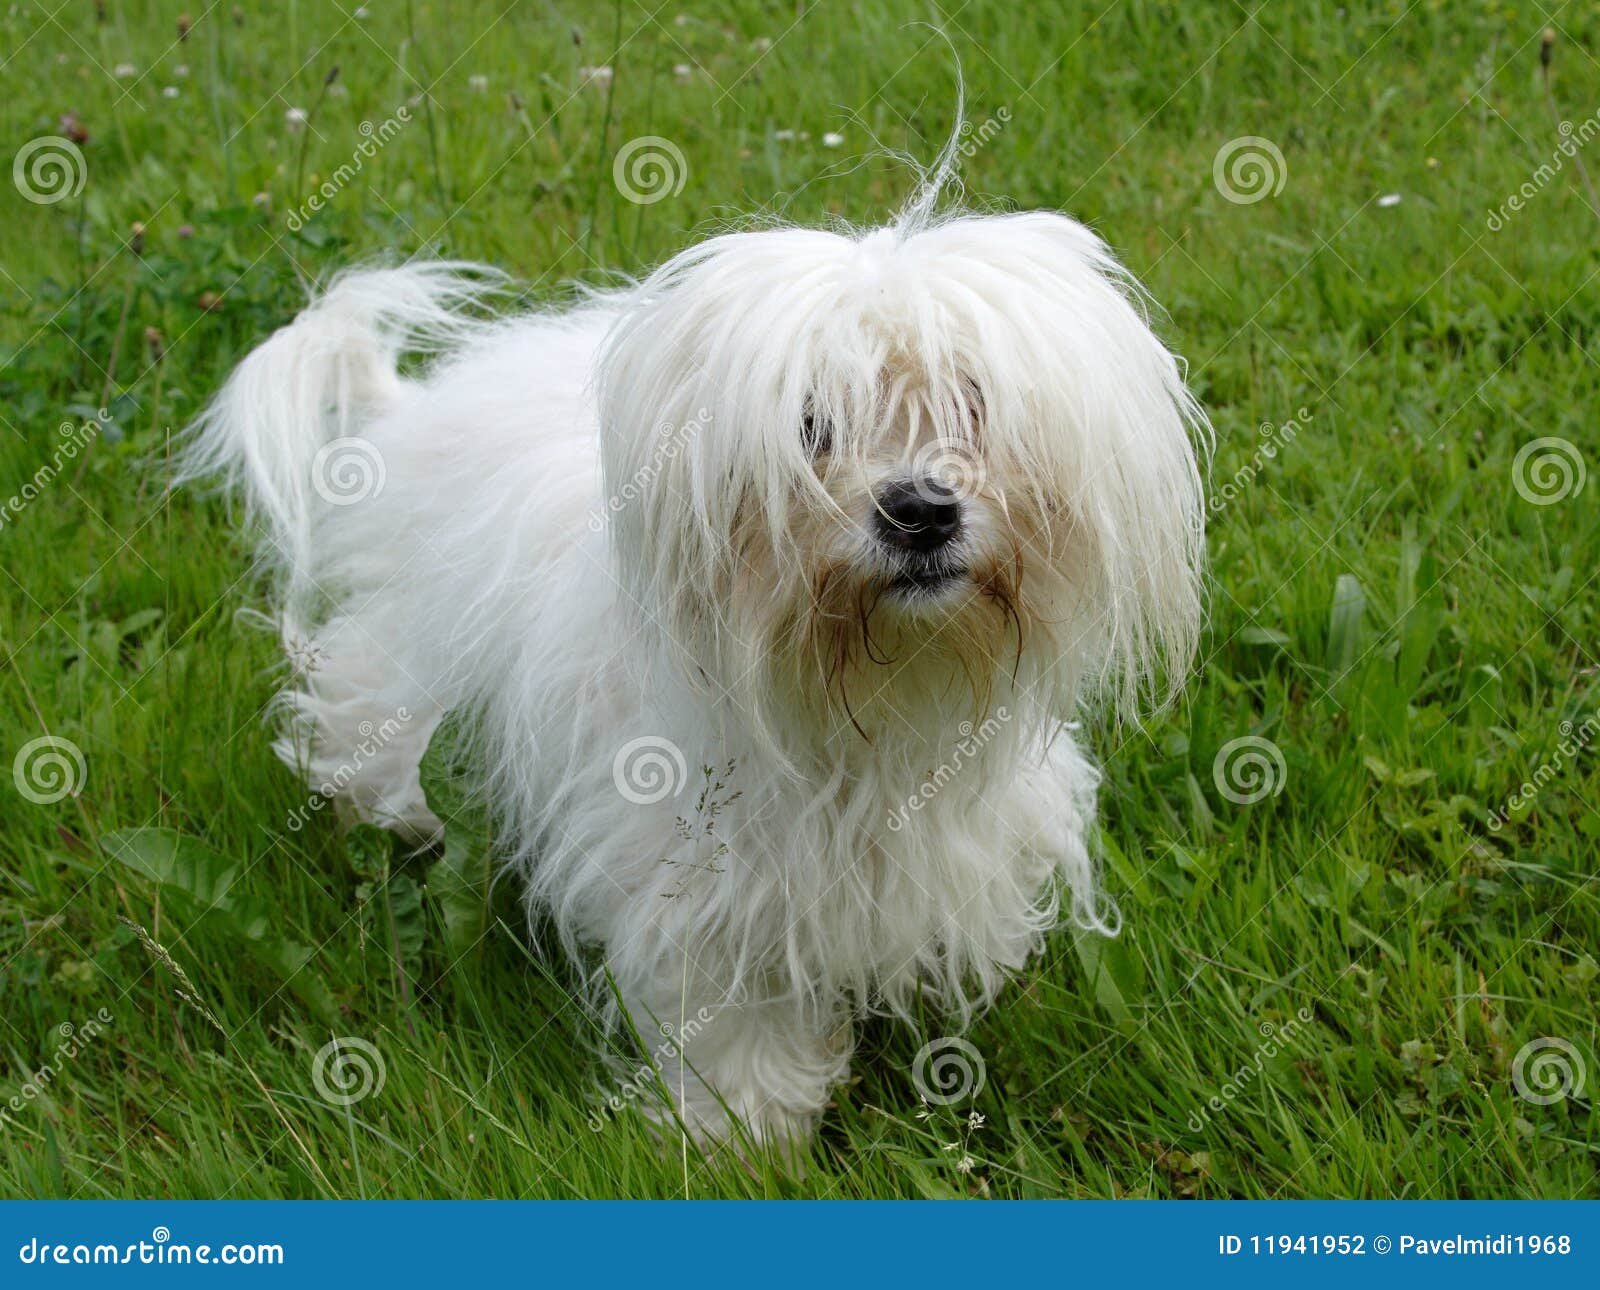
<point>1404,626</point>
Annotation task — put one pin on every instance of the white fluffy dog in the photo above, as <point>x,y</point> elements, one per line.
<point>770,588</point>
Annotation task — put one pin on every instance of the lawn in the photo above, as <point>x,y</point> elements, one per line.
<point>1359,953</point>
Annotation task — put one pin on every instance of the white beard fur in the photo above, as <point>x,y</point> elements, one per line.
<point>536,561</point>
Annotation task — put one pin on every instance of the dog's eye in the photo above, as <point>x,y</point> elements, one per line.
<point>973,398</point>
<point>816,434</point>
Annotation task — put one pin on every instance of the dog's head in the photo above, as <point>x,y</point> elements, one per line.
<point>874,465</point>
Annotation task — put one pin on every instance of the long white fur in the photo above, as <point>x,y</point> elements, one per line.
<point>603,525</point>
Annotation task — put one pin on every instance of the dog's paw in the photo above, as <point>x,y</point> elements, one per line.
<point>751,1126</point>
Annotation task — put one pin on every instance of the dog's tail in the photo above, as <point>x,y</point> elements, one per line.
<point>286,429</point>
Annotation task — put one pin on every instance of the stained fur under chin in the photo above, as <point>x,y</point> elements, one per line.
<point>894,807</point>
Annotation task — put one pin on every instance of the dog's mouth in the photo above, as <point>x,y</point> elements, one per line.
<point>928,580</point>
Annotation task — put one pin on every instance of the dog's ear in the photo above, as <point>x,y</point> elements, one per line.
<point>703,400</point>
<point>671,462</point>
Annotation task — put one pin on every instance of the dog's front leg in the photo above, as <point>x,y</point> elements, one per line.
<point>767,1062</point>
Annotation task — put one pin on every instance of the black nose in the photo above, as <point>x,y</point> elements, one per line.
<point>918,515</point>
